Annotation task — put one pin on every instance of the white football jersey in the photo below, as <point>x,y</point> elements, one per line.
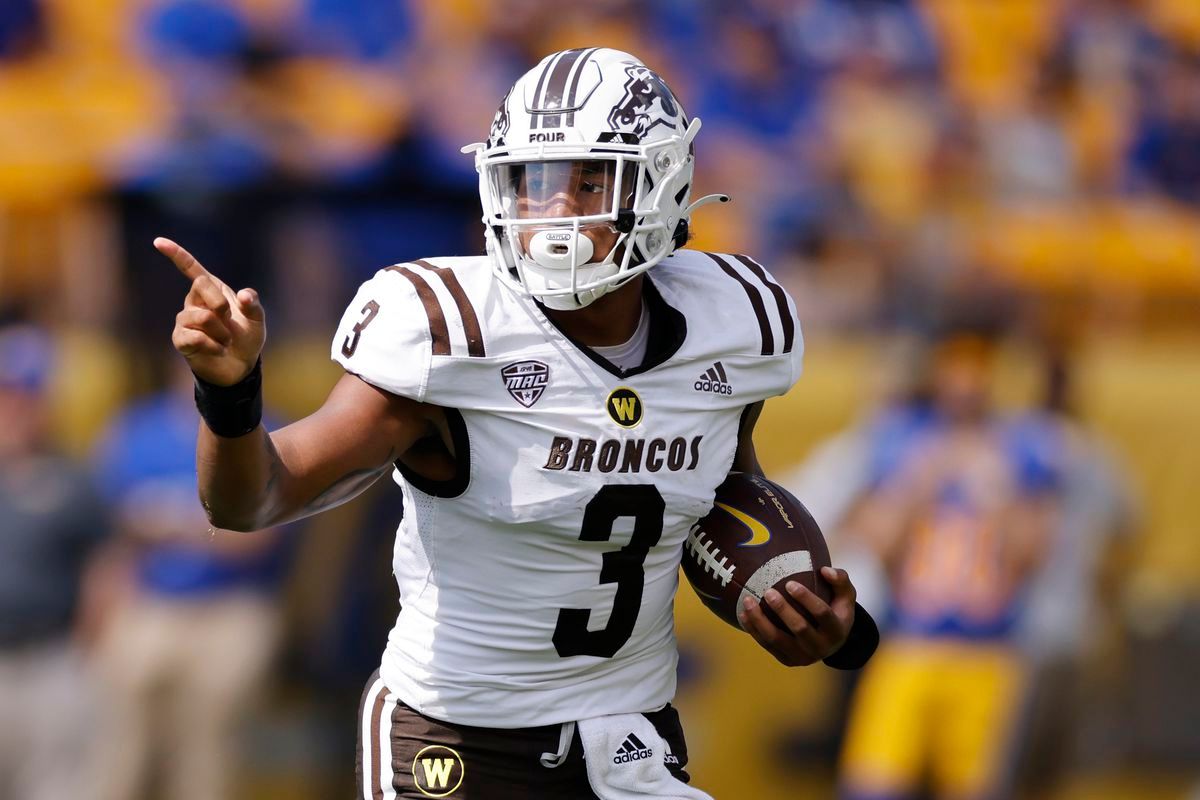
<point>537,585</point>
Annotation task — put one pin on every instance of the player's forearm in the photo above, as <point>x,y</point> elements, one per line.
<point>256,480</point>
<point>239,479</point>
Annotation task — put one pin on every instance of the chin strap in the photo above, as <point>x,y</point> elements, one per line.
<point>682,230</point>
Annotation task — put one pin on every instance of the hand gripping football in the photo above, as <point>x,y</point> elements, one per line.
<point>757,536</point>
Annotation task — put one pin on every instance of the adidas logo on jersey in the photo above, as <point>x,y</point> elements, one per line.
<point>632,749</point>
<point>714,380</point>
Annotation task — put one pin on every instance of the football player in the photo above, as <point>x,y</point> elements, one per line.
<point>558,413</point>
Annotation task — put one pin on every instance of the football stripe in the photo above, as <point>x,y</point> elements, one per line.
<point>579,67</point>
<point>557,87</point>
<point>466,311</point>
<point>785,313</point>
<point>637,742</point>
<point>756,302</point>
<point>721,371</point>
<point>537,92</point>
<point>439,334</point>
<point>370,736</point>
<point>711,374</point>
<point>387,777</point>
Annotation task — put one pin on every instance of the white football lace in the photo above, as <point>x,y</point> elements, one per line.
<point>709,557</point>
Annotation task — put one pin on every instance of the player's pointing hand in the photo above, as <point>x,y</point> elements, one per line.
<point>220,332</point>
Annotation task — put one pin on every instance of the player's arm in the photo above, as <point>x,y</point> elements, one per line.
<point>744,458</point>
<point>260,479</point>
<point>250,479</point>
<point>842,633</point>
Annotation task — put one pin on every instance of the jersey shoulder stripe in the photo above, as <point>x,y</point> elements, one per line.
<point>466,311</point>
<point>756,302</point>
<point>785,313</point>
<point>439,333</point>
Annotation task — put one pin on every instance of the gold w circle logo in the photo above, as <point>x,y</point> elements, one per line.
<point>437,771</point>
<point>625,407</point>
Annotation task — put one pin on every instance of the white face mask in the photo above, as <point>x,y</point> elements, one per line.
<point>585,177</point>
<point>560,222</point>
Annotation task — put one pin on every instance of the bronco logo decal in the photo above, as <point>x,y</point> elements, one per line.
<point>646,104</point>
<point>500,124</point>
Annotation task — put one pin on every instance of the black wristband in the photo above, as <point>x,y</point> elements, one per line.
<point>231,411</point>
<point>860,644</point>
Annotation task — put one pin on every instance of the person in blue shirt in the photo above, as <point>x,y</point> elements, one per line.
<point>192,625</point>
<point>51,522</point>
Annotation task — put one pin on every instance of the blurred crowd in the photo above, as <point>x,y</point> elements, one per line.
<point>883,153</point>
<point>906,167</point>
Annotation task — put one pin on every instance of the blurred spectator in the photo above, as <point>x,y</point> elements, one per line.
<point>1165,155</point>
<point>50,522</point>
<point>1074,597</point>
<point>1029,153</point>
<point>190,622</point>
<point>829,35</point>
<point>20,27</point>
<point>960,518</point>
<point>366,30</point>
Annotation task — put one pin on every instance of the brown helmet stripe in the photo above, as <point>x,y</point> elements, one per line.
<point>556,89</point>
<point>760,311</point>
<point>537,92</point>
<point>579,67</point>
<point>439,334</point>
<point>465,310</point>
<point>785,313</point>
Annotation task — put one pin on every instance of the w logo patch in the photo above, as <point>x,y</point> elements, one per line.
<point>526,380</point>
<point>437,771</point>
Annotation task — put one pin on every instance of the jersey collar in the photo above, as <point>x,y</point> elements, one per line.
<point>668,330</point>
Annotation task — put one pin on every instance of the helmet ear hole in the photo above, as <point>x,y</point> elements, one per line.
<point>681,195</point>
<point>680,237</point>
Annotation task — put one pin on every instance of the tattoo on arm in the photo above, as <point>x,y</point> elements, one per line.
<point>274,467</point>
<point>347,487</point>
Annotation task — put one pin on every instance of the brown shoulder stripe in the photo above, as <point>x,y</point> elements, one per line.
<point>439,335</point>
<point>785,313</point>
<point>465,310</point>
<point>760,311</point>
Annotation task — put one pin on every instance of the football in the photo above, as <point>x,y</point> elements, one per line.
<point>757,536</point>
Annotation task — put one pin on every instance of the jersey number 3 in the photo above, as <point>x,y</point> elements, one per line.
<point>622,567</point>
<point>351,343</point>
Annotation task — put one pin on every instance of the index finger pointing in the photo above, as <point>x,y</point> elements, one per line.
<point>184,261</point>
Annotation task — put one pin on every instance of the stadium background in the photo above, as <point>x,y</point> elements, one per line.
<point>887,159</point>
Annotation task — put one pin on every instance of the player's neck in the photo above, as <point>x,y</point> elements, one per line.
<point>610,320</point>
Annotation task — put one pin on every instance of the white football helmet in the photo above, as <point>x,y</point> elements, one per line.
<point>585,177</point>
